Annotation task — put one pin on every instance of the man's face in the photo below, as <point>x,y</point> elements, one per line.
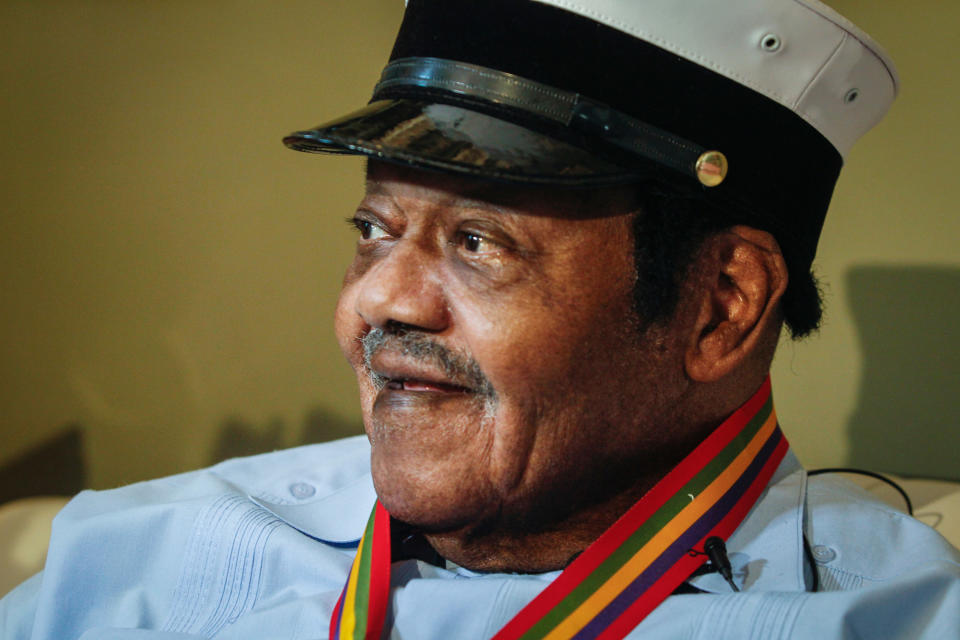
<point>503,379</point>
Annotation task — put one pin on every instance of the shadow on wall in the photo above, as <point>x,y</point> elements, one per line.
<point>907,418</point>
<point>55,467</point>
<point>237,437</point>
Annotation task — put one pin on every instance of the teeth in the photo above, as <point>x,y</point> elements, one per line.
<point>407,385</point>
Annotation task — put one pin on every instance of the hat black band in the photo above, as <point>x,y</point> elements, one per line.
<point>583,115</point>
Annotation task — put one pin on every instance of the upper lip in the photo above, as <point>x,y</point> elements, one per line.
<point>393,365</point>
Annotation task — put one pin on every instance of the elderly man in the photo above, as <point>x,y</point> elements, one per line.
<point>583,228</point>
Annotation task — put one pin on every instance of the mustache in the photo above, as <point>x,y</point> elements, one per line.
<point>460,368</point>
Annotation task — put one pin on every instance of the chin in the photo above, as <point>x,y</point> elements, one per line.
<point>430,497</point>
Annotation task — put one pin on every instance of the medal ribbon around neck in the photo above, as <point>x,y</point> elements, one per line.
<point>362,606</point>
<point>630,569</point>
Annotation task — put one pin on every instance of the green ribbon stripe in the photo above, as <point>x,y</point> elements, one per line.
<point>362,600</point>
<point>650,527</point>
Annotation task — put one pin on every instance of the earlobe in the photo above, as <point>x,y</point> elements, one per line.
<point>742,277</point>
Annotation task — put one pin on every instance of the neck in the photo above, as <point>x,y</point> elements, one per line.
<point>505,545</point>
<point>525,545</point>
<point>500,548</point>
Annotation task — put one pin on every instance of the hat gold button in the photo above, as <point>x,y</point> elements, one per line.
<point>711,168</point>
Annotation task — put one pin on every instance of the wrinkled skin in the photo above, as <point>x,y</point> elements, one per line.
<point>575,412</point>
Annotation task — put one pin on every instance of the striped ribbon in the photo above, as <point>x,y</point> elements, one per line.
<point>630,569</point>
<point>362,606</point>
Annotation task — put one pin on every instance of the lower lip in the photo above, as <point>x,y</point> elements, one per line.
<point>407,398</point>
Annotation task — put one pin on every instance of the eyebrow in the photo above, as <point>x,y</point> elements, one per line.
<point>478,195</point>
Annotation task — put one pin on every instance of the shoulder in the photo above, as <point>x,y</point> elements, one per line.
<point>160,513</point>
<point>859,540</point>
<point>285,476</point>
<point>291,475</point>
<point>189,551</point>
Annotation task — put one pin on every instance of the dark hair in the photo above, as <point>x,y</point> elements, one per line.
<point>669,228</point>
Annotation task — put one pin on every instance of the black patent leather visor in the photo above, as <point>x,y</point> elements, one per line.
<point>456,116</point>
<point>453,138</point>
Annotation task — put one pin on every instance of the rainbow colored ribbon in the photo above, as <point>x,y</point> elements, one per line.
<point>630,569</point>
<point>362,606</point>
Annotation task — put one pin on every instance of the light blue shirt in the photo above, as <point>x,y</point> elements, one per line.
<point>259,548</point>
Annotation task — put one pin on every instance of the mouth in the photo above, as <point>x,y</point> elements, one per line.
<point>392,371</point>
<point>407,366</point>
<point>422,386</point>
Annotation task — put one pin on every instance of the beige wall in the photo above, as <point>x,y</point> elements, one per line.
<point>168,269</point>
<point>880,386</point>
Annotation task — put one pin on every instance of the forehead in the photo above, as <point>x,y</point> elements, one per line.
<point>446,189</point>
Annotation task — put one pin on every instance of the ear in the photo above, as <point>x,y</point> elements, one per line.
<point>742,276</point>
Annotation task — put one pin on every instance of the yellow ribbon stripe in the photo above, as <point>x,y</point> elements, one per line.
<point>348,620</point>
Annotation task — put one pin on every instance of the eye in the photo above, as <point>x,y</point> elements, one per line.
<point>368,230</point>
<point>476,243</point>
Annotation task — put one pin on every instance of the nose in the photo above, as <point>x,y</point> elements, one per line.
<point>404,288</point>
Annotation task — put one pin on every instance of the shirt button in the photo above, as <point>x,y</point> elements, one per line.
<point>301,490</point>
<point>823,554</point>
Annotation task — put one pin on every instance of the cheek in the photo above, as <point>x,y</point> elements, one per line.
<point>544,337</point>
<point>556,353</point>
<point>549,361</point>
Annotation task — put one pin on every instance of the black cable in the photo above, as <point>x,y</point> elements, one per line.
<point>715,549</point>
<point>872,474</point>
<point>808,554</point>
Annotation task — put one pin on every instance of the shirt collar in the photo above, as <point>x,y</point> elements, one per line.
<point>337,517</point>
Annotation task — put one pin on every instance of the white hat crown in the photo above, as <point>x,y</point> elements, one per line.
<point>799,53</point>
